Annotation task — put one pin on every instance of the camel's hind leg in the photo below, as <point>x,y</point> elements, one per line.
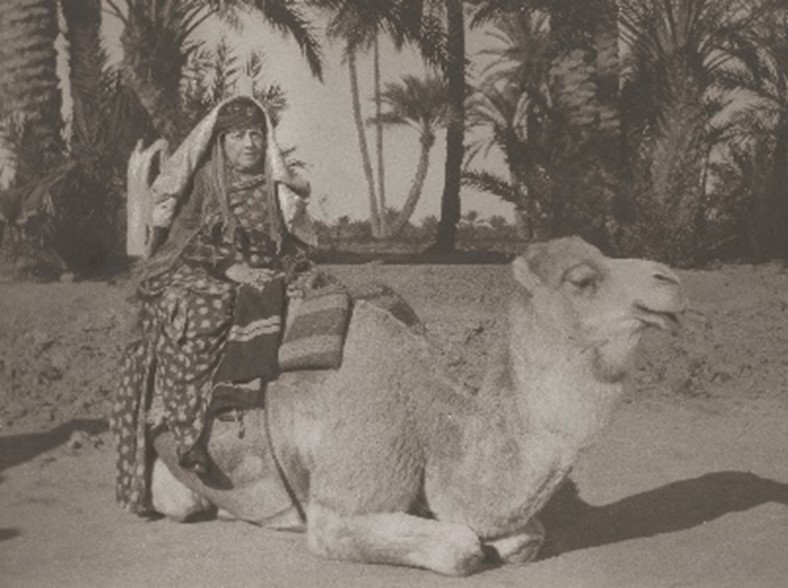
<point>394,538</point>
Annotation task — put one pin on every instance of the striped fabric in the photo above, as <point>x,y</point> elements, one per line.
<point>315,330</point>
<point>250,350</point>
<point>386,298</point>
<point>245,333</point>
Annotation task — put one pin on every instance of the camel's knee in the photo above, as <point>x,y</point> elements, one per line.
<point>325,531</point>
<point>394,538</point>
<point>172,498</point>
<point>522,547</point>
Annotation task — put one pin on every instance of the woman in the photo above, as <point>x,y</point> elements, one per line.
<point>229,235</point>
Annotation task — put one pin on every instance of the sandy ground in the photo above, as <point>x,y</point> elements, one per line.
<point>688,487</point>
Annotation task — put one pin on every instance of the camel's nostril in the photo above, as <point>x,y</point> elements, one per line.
<point>665,277</point>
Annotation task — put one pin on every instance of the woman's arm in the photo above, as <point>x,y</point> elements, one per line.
<point>297,184</point>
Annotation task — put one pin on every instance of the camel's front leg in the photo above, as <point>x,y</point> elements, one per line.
<point>521,547</point>
<point>394,538</point>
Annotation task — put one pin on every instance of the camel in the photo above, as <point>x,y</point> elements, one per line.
<point>386,460</point>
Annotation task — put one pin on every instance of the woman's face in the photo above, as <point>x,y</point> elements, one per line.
<point>244,148</point>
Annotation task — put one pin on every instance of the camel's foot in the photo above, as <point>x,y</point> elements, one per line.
<point>394,538</point>
<point>173,499</point>
<point>522,547</point>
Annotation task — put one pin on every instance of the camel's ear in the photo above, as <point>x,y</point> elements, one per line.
<point>523,274</point>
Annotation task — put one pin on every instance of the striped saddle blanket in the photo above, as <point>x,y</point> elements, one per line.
<point>316,324</point>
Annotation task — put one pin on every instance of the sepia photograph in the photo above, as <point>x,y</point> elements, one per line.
<point>394,293</point>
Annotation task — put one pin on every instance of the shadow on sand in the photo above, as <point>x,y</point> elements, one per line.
<point>574,524</point>
<point>18,449</point>
<point>6,534</point>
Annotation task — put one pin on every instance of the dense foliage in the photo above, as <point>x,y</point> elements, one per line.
<point>651,127</point>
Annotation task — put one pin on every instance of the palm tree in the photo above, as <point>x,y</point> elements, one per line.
<point>87,60</point>
<point>585,64</point>
<point>360,26</point>
<point>550,99</point>
<point>759,148</point>
<point>30,99</point>
<point>568,72</point>
<point>584,90</point>
<point>375,208</point>
<point>84,224</point>
<point>455,134</point>
<point>518,51</point>
<point>505,112</point>
<point>76,203</point>
<point>513,104</point>
<point>420,104</point>
<point>420,22</point>
<point>680,49</point>
<point>444,45</point>
<point>158,39</point>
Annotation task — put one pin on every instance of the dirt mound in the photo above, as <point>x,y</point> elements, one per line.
<point>735,342</point>
<point>59,349</point>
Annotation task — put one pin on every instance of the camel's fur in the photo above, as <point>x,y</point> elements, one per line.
<point>389,462</point>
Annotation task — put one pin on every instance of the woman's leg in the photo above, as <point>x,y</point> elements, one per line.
<point>196,316</point>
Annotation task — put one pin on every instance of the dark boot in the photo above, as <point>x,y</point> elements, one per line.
<point>227,397</point>
<point>196,459</point>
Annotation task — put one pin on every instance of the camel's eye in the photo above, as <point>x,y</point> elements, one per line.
<point>583,279</point>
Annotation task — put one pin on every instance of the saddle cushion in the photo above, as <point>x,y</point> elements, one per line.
<point>317,323</point>
<point>315,329</point>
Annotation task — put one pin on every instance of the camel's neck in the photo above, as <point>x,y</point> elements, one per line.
<point>553,382</point>
<point>539,405</point>
<point>562,398</point>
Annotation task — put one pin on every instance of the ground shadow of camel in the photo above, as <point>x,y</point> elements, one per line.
<point>17,449</point>
<point>573,524</point>
<point>6,534</point>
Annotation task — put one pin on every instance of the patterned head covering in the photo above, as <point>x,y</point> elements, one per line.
<point>239,114</point>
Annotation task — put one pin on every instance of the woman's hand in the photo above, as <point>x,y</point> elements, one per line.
<point>305,282</point>
<point>243,274</point>
<point>158,236</point>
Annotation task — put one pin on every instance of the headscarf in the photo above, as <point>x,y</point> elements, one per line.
<point>239,114</point>
<point>192,180</point>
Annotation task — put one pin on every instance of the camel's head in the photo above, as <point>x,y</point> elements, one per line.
<point>569,294</point>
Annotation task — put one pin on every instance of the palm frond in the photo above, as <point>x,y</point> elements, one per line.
<point>420,103</point>
<point>274,98</point>
<point>491,183</point>
<point>287,17</point>
<point>225,71</point>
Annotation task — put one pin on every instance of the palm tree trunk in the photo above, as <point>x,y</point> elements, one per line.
<point>83,23</point>
<point>379,137</point>
<point>455,132</point>
<point>153,72</point>
<point>677,168</point>
<point>366,161</point>
<point>774,240</point>
<point>585,91</point>
<point>608,69</point>
<point>29,85</point>
<point>523,220</point>
<point>416,186</point>
<point>777,181</point>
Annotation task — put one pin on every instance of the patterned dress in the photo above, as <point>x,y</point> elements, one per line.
<point>200,338</point>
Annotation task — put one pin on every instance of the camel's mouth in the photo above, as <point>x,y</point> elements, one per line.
<point>665,320</point>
